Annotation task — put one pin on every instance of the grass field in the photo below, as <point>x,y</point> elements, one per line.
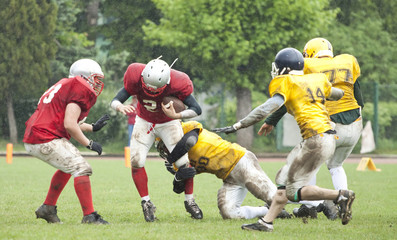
<point>24,184</point>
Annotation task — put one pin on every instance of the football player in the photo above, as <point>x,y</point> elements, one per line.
<point>151,82</point>
<point>304,97</point>
<point>236,166</point>
<point>60,115</point>
<point>342,72</point>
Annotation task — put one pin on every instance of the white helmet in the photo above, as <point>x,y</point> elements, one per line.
<point>155,77</point>
<point>90,71</point>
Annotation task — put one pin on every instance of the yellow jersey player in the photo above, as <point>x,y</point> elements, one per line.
<point>342,72</point>
<point>304,97</point>
<point>236,166</point>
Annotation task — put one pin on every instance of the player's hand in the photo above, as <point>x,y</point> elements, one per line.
<point>100,123</point>
<point>126,109</point>
<point>170,167</point>
<point>95,146</point>
<point>265,129</point>
<point>184,173</point>
<point>227,130</point>
<point>169,110</point>
<point>179,186</point>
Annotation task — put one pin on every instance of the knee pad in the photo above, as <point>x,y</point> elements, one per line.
<point>82,170</point>
<point>293,194</point>
<point>136,160</point>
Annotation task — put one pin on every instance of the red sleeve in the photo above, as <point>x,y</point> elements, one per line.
<point>180,86</point>
<point>132,78</point>
<point>82,94</point>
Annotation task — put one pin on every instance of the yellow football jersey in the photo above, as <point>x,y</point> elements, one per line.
<point>342,71</point>
<point>211,153</point>
<point>304,97</point>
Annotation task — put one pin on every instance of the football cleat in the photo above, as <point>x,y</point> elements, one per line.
<point>329,209</point>
<point>305,211</point>
<point>148,209</point>
<point>93,218</point>
<point>261,225</point>
<point>48,213</point>
<point>284,214</point>
<point>194,210</point>
<point>344,202</point>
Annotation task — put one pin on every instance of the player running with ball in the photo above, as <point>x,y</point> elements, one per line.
<point>151,83</point>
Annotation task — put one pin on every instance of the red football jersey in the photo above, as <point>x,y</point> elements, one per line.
<point>46,123</point>
<point>149,108</point>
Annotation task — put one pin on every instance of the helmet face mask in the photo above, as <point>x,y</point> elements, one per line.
<point>162,149</point>
<point>90,71</point>
<point>287,61</point>
<point>318,47</point>
<point>155,77</point>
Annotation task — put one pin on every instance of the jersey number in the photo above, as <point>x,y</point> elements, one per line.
<point>200,164</point>
<point>319,94</point>
<point>52,90</point>
<point>150,105</point>
<point>332,74</point>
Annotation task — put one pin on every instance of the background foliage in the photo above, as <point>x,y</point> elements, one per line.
<point>224,46</point>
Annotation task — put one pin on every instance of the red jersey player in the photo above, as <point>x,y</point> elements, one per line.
<point>151,83</point>
<point>60,115</point>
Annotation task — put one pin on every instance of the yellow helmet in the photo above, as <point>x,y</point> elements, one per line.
<point>318,47</point>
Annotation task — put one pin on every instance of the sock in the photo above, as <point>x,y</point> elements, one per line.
<point>248,212</point>
<point>188,197</point>
<point>82,186</point>
<point>140,179</point>
<point>339,178</point>
<point>58,182</point>
<point>189,186</point>
<point>145,198</point>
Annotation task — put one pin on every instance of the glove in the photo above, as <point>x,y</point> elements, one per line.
<point>181,175</point>
<point>227,130</point>
<point>94,146</point>
<point>170,167</point>
<point>100,123</point>
<point>179,186</point>
<point>184,173</point>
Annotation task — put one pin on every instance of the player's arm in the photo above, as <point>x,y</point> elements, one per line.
<point>119,99</point>
<point>98,125</point>
<point>272,120</point>
<point>184,145</point>
<point>335,94</point>
<point>193,108</point>
<point>358,95</point>
<point>256,115</point>
<point>71,125</point>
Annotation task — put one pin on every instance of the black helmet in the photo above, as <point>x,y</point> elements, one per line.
<point>287,60</point>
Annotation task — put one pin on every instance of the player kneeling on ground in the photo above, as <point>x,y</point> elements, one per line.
<point>236,166</point>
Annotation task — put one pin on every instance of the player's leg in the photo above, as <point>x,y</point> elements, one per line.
<point>190,204</point>
<point>254,178</point>
<point>348,138</point>
<point>303,168</point>
<point>171,132</point>
<point>141,140</point>
<point>63,155</point>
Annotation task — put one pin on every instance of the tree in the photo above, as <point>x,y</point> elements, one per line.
<point>70,37</point>
<point>27,46</point>
<point>123,27</point>
<point>234,42</point>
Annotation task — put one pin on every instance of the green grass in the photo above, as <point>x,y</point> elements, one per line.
<point>24,184</point>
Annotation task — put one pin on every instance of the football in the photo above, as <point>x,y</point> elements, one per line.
<point>178,104</point>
